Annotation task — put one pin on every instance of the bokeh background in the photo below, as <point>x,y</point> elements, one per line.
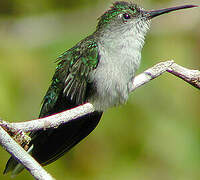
<point>156,135</point>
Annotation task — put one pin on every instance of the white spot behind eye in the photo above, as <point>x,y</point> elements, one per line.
<point>120,15</point>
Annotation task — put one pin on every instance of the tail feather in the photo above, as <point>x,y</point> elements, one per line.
<point>48,146</point>
<point>11,164</point>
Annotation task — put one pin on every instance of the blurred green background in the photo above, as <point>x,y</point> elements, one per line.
<point>156,135</point>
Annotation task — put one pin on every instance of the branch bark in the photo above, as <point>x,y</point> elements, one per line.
<point>190,76</point>
<point>23,157</point>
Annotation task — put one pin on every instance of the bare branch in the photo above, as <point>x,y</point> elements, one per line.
<point>53,121</point>
<point>188,75</point>
<point>151,73</point>
<point>23,157</point>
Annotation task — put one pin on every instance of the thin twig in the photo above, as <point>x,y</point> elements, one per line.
<point>188,75</point>
<point>23,157</point>
<point>53,121</point>
<point>151,73</point>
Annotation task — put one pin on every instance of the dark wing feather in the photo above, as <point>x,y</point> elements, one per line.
<point>52,144</point>
<point>68,89</point>
<point>71,76</point>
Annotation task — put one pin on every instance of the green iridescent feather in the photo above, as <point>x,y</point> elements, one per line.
<point>117,8</point>
<point>72,74</point>
<point>68,85</point>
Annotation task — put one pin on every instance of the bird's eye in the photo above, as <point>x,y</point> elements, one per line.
<point>126,16</point>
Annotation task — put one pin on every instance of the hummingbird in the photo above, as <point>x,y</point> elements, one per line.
<point>100,70</point>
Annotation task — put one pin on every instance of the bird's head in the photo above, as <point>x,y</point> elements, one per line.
<point>124,16</point>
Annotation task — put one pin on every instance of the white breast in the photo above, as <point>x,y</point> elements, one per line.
<point>119,59</point>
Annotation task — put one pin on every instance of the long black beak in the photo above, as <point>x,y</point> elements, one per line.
<point>154,13</point>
